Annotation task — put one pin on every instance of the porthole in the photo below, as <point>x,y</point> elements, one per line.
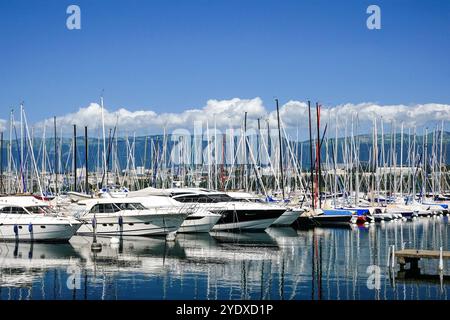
<point>105,225</point>
<point>111,225</point>
<point>20,227</point>
<point>146,222</point>
<point>42,227</point>
<point>131,224</point>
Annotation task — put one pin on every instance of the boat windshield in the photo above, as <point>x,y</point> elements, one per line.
<point>204,198</point>
<point>220,198</point>
<point>39,209</point>
<point>130,206</point>
<point>116,207</point>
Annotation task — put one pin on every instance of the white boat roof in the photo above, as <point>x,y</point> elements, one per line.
<point>242,195</point>
<point>24,201</point>
<point>147,201</point>
<point>148,192</point>
<point>171,191</point>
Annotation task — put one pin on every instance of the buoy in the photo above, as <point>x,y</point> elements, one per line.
<point>94,223</point>
<point>441,260</point>
<point>30,227</point>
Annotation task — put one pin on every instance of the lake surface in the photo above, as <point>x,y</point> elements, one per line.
<point>281,263</point>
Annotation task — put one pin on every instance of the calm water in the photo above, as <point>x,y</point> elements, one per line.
<point>281,263</point>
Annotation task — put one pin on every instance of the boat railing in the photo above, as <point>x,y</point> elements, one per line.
<point>188,208</point>
<point>215,209</point>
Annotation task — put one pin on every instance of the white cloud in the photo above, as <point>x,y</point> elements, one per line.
<point>295,113</point>
<point>230,113</point>
<point>3,124</point>
<point>226,113</point>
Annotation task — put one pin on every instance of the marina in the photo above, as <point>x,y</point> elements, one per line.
<point>232,153</point>
<point>334,227</point>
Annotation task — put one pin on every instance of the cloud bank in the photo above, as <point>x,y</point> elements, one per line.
<point>230,114</point>
<point>3,124</point>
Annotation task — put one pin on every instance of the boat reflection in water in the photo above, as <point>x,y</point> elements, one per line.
<point>280,263</point>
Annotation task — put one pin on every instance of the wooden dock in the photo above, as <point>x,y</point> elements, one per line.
<point>412,257</point>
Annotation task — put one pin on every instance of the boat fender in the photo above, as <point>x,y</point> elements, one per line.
<point>16,230</point>
<point>120,221</point>
<point>30,227</point>
<point>94,223</point>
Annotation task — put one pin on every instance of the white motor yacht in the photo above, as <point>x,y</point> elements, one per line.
<point>25,218</point>
<point>127,217</point>
<point>235,214</point>
<point>199,219</point>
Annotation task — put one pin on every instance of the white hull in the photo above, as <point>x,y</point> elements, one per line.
<point>287,218</point>
<point>141,225</point>
<point>254,225</point>
<point>40,232</point>
<point>204,224</point>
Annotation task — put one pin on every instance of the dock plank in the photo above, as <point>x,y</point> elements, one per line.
<point>422,254</point>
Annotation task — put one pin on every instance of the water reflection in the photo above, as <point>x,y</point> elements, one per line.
<point>281,263</point>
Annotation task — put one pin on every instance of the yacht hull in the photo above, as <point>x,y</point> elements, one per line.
<point>325,220</point>
<point>143,225</point>
<point>39,232</point>
<point>287,218</point>
<point>199,224</point>
<point>249,220</point>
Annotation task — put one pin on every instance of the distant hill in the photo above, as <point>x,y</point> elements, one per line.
<point>155,143</point>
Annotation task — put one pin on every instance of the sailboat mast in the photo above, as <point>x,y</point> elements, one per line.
<point>10,159</point>
<point>21,148</point>
<point>86,175</point>
<point>311,155</point>
<point>1,162</point>
<point>281,149</point>
<point>318,153</point>
<point>74,157</point>
<point>401,162</point>
<point>440,159</point>
<point>104,138</point>
<point>246,153</point>
<point>56,156</point>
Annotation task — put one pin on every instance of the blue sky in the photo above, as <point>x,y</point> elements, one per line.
<point>169,56</point>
